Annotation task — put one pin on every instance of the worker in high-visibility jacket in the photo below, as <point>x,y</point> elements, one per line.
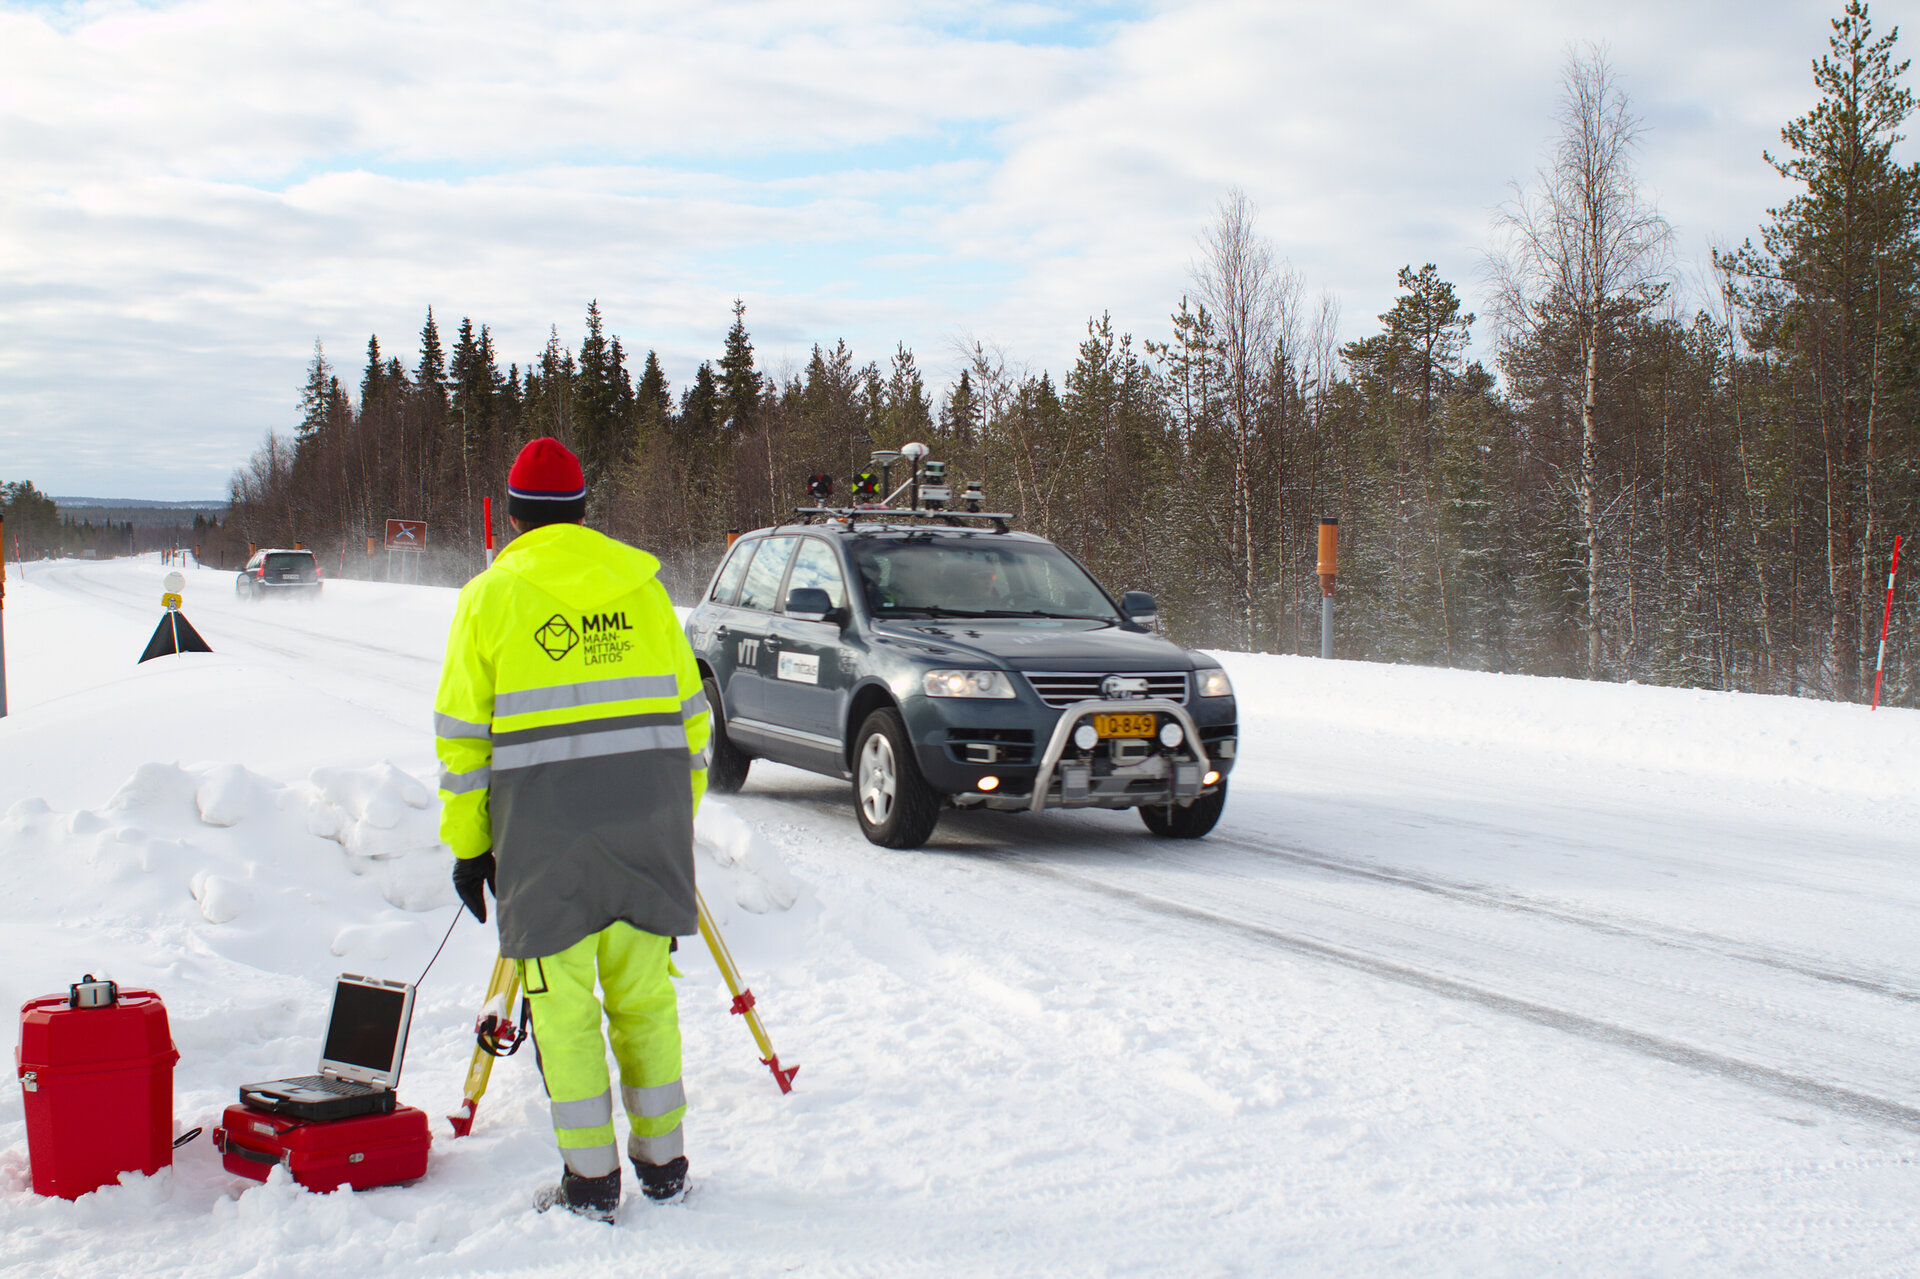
<point>572,736</point>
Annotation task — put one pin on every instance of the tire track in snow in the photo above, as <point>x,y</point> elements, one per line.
<point>78,585</point>
<point>1838,1098</point>
<point>324,640</point>
<point>1833,1097</point>
<point>1656,934</point>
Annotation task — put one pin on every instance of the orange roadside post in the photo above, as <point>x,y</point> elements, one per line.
<point>1328,567</point>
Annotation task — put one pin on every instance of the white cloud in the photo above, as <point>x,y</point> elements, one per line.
<point>195,191</point>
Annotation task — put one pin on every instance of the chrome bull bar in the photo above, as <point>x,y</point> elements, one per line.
<point>1073,714</point>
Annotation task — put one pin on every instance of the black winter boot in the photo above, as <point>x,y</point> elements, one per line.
<point>594,1197</point>
<point>662,1182</point>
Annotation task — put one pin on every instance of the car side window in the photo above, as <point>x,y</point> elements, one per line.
<point>730,574</point>
<point>761,590</point>
<point>817,566</point>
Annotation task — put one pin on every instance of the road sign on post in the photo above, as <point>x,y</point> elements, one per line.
<point>408,540</point>
<point>406,535</point>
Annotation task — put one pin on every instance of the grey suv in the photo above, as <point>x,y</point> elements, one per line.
<point>937,664</point>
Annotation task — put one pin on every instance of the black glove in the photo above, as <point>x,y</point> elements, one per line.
<point>468,874</point>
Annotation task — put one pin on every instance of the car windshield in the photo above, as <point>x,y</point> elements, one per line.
<point>975,577</point>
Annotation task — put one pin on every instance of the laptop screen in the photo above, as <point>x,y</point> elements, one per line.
<point>367,1028</point>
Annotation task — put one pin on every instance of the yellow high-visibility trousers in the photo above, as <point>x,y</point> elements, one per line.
<point>643,1023</point>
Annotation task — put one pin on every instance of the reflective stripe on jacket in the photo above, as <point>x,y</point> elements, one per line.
<point>572,736</point>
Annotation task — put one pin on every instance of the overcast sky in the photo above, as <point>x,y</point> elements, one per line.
<point>194,192</point>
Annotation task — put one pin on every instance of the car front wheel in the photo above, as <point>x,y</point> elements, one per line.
<point>1174,822</point>
<point>727,764</point>
<point>896,807</point>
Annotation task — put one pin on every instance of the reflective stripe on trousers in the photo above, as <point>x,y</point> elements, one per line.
<point>648,1110</point>
<point>584,1130</point>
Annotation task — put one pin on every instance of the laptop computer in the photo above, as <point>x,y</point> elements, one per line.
<point>360,1061</point>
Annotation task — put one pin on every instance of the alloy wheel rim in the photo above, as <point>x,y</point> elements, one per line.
<point>877,779</point>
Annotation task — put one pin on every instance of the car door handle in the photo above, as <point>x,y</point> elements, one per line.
<point>772,641</point>
<point>720,631</point>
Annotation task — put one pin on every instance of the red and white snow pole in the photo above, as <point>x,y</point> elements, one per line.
<point>486,504</point>
<point>1886,619</point>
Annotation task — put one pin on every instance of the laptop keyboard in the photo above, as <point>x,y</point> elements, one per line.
<point>322,1083</point>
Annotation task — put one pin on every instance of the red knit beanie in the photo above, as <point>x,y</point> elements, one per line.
<point>545,485</point>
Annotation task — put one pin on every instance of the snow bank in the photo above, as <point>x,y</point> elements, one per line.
<point>1664,744</point>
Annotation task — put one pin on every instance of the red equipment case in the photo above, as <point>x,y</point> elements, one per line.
<point>98,1084</point>
<point>325,1154</point>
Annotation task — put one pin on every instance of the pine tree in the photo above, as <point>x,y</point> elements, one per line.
<point>1831,294</point>
<point>430,378</point>
<point>652,399</point>
<point>599,399</point>
<point>960,415</point>
<point>316,401</point>
<point>701,405</point>
<point>741,387</point>
<point>909,415</point>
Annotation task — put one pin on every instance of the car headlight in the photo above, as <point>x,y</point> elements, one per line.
<point>1213,682</point>
<point>966,684</point>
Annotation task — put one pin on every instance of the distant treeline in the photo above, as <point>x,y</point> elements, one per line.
<point>1704,499</point>
<point>37,527</point>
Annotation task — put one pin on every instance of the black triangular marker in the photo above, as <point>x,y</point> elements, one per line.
<point>175,634</point>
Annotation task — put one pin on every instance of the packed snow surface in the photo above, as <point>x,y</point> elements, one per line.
<point>1478,975</point>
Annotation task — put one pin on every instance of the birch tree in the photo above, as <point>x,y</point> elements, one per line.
<point>1583,251</point>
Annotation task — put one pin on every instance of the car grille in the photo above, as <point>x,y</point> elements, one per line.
<point>1064,688</point>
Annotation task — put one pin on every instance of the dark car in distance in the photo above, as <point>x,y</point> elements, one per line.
<point>271,574</point>
<point>939,664</point>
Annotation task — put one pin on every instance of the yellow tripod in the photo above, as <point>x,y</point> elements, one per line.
<point>499,1036</point>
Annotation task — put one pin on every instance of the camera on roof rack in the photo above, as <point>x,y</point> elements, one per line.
<point>934,493</point>
<point>974,495</point>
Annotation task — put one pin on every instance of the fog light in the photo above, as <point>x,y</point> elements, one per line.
<point>989,783</point>
<point>1086,737</point>
<point>1171,735</point>
<point>1210,778</point>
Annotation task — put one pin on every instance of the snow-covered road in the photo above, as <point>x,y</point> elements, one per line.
<point>1479,975</point>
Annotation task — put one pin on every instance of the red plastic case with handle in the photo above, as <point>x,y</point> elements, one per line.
<point>325,1154</point>
<point>98,1085</point>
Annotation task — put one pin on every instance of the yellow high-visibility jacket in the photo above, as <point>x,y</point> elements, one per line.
<point>572,735</point>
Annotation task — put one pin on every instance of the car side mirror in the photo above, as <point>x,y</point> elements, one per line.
<point>811,604</point>
<point>1138,607</point>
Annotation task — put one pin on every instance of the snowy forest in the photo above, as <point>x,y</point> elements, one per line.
<point>1673,475</point>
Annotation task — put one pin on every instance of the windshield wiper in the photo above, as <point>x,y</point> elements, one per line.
<point>1040,612</point>
<point>1022,612</point>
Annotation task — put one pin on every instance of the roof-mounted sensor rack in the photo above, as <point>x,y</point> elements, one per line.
<point>926,490</point>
